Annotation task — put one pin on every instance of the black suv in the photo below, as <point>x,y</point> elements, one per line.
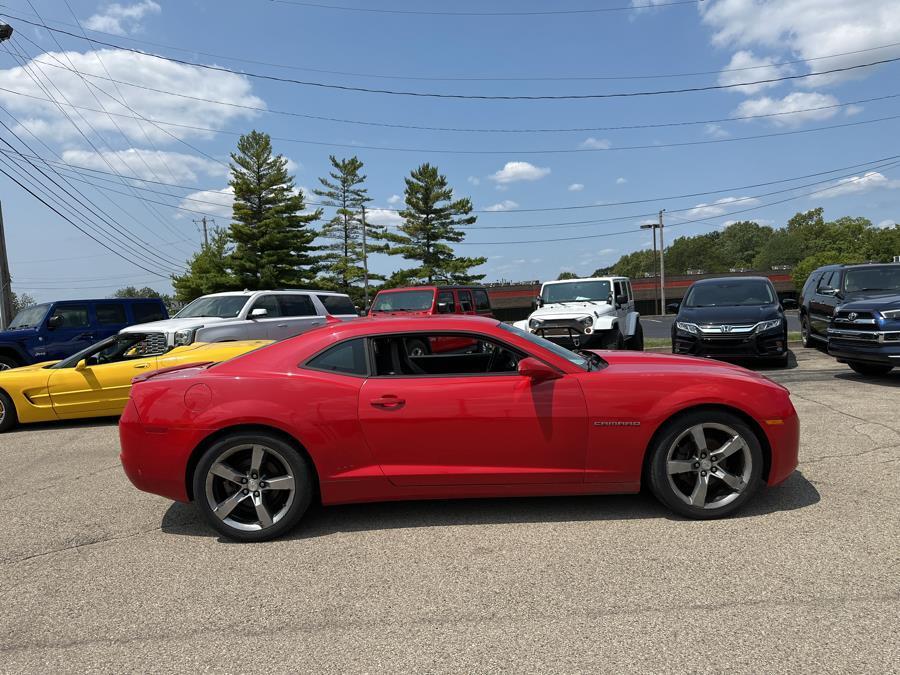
<point>732,317</point>
<point>834,285</point>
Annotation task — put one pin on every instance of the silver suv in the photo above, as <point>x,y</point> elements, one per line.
<point>249,315</point>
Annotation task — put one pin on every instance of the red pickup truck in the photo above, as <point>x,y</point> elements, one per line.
<point>430,301</point>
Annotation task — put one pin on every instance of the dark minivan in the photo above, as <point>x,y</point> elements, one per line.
<point>53,331</point>
<point>833,285</point>
<point>732,317</point>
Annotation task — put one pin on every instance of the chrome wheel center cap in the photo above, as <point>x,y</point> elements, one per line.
<point>253,485</point>
<point>705,464</point>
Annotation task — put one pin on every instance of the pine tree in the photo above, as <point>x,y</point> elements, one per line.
<point>343,258</point>
<point>431,218</point>
<point>207,271</point>
<point>273,240</point>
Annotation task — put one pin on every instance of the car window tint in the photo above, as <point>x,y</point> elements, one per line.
<point>296,305</point>
<point>446,298</point>
<point>442,355</point>
<point>825,281</point>
<point>482,303</point>
<point>619,289</point>
<point>268,303</point>
<point>72,316</point>
<point>811,282</point>
<point>348,358</point>
<point>145,312</point>
<point>337,304</point>
<point>112,314</point>
<point>465,301</point>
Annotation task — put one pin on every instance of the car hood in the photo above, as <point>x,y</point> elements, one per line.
<point>17,334</point>
<point>850,296</point>
<point>173,325</point>
<point>570,309</point>
<point>880,302</point>
<point>26,369</point>
<point>728,314</point>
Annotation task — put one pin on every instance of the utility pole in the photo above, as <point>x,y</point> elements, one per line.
<point>656,297</point>
<point>203,220</point>
<point>6,306</point>
<point>365,261</point>
<point>662,264</point>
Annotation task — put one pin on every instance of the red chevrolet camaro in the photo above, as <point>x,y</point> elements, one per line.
<point>345,414</point>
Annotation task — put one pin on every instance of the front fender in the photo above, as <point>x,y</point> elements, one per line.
<point>222,332</point>
<point>523,325</point>
<point>16,350</point>
<point>606,322</point>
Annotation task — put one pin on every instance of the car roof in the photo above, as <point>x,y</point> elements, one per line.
<point>612,277</point>
<point>368,325</point>
<point>706,282</point>
<point>456,287</point>
<point>248,293</point>
<point>103,300</point>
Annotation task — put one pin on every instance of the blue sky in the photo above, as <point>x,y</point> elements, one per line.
<point>538,54</point>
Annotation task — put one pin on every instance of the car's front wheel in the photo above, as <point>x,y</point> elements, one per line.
<point>252,487</point>
<point>7,363</point>
<point>804,332</point>
<point>8,417</point>
<point>636,341</point>
<point>706,464</point>
<point>612,339</point>
<point>870,368</point>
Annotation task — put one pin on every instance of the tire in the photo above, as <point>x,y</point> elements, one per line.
<point>870,369</point>
<point>7,362</point>
<point>237,460</point>
<point>9,418</point>
<point>416,348</point>
<point>692,466</point>
<point>804,333</point>
<point>636,341</point>
<point>612,339</point>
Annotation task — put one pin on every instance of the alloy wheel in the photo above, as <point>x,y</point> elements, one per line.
<point>250,487</point>
<point>709,465</point>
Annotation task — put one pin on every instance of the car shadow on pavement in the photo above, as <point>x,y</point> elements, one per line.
<point>892,379</point>
<point>795,493</point>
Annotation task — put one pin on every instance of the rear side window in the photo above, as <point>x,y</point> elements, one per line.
<point>348,358</point>
<point>268,303</point>
<point>72,316</point>
<point>811,282</point>
<point>825,281</point>
<point>337,304</point>
<point>446,303</point>
<point>296,305</point>
<point>145,312</point>
<point>465,301</point>
<point>481,300</point>
<point>112,314</point>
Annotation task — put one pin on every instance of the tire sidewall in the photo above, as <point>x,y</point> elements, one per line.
<point>804,332</point>
<point>658,475</point>
<point>11,417</point>
<point>9,362</point>
<point>302,482</point>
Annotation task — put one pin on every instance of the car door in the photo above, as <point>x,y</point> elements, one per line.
<point>440,425</point>
<point>110,318</point>
<point>266,325</point>
<point>821,305</point>
<point>298,314</point>
<point>68,330</point>
<point>620,289</point>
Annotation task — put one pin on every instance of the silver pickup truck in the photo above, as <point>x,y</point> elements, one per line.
<point>248,315</point>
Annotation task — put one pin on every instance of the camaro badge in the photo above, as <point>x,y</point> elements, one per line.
<point>616,423</point>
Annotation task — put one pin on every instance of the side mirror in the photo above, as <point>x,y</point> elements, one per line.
<point>258,313</point>
<point>81,365</point>
<point>789,303</point>
<point>54,322</point>
<point>828,290</point>
<point>538,302</point>
<point>538,371</point>
<point>673,307</point>
<point>621,299</point>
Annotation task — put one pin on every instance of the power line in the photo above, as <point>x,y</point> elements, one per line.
<point>479,97</point>
<point>596,10</point>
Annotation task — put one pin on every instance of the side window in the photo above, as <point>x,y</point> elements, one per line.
<point>825,281</point>
<point>811,283</point>
<point>448,355</point>
<point>268,303</point>
<point>628,290</point>
<point>348,358</point>
<point>446,303</point>
<point>337,304</point>
<point>482,303</point>
<point>465,301</point>
<point>111,314</point>
<point>296,305</point>
<point>619,290</point>
<point>70,316</point>
<point>144,312</point>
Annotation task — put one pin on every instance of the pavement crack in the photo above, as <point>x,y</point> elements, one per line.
<point>63,481</point>
<point>73,547</point>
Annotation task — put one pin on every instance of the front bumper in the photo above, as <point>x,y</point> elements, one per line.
<point>767,345</point>
<point>869,346</point>
<point>569,333</point>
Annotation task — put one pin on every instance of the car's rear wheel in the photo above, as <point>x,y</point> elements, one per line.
<point>8,417</point>
<point>706,464</point>
<point>7,362</point>
<point>870,368</point>
<point>636,341</point>
<point>416,347</point>
<point>252,487</point>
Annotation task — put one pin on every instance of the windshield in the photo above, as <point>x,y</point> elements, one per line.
<point>885,278</point>
<point>577,291</point>
<point>221,306</point>
<point>29,317</point>
<point>571,357</point>
<point>404,301</point>
<point>730,294</point>
<point>116,348</point>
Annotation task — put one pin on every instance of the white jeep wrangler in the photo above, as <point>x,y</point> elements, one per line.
<point>589,313</point>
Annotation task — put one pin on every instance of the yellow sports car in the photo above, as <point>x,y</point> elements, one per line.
<point>96,381</point>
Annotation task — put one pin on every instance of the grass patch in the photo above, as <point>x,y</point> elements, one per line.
<point>650,343</point>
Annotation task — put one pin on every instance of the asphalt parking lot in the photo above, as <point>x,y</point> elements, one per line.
<point>98,577</point>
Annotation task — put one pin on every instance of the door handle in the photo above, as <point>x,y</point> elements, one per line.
<point>85,336</point>
<point>389,402</point>
<point>141,365</point>
<point>281,325</point>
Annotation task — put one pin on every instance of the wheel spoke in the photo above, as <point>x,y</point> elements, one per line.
<point>698,496</point>
<point>256,460</point>
<point>732,446</point>
<point>224,471</point>
<point>224,508</point>
<point>699,437</point>
<point>280,483</point>
<point>734,482</point>
<point>680,465</point>
<point>265,518</point>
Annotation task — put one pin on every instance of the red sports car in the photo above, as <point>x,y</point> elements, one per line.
<point>344,414</point>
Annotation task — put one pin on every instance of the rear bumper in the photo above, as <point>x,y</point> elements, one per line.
<point>754,346</point>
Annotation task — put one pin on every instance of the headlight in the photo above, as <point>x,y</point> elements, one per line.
<point>687,327</point>
<point>587,321</point>
<point>184,337</point>
<point>768,325</point>
<point>891,314</point>
<point>535,323</point>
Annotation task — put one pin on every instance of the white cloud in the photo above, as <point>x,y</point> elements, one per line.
<point>797,100</point>
<point>513,172</point>
<point>576,187</point>
<point>394,200</point>
<point>474,180</point>
<point>621,181</point>
<point>122,19</point>
<point>884,224</point>
<point>747,67</point>
<point>383,217</point>
<point>595,144</point>
<point>292,166</point>
<point>148,164</point>
<point>44,118</point>
<point>808,29</point>
<point>216,202</point>
<point>716,131</point>
<point>720,206</point>
<point>505,205</point>
<point>871,180</point>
